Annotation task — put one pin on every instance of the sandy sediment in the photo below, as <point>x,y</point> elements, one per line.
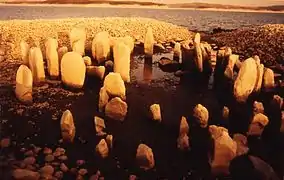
<point>13,31</point>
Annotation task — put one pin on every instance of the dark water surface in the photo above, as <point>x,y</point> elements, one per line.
<point>193,19</point>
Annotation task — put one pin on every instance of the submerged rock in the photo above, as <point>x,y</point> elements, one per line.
<point>103,99</point>
<point>73,70</point>
<point>24,84</point>
<point>121,54</point>
<point>149,43</point>
<point>67,126</point>
<point>156,112</point>
<point>101,46</point>
<point>201,114</point>
<point>145,157</point>
<point>258,124</point>
<point>116,109</point>
<point>36,64</point>
<point>51,46</point>
<point>97,71</point>
<point>24,52</point>
<point>114,85</point>
<point>102,148</point>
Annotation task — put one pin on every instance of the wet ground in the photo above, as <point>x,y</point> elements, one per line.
<point>39,124</point>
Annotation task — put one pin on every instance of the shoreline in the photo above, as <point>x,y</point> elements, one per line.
<point>140,7</point>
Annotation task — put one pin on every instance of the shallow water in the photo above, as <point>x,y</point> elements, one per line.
<point>193,19</point>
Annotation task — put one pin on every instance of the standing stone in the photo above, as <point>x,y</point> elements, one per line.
<point>183,127</point>
<point>101,46</point>
<point>268,79</point>
<point>201,114</point>
<point>73,70</point>
<point>67,126</point>
<point>177,51</point>
<point>149,42</point>
<point>258,124</point>
<point>103,99</point>
<point>197,38</point>
<point>229,71</point>
<point>61,51</point>
<point>97,71</point>
<point>198,57</point>
<point>36,64</point>
<point>102,148</point>
<point>121,54</point>
<point>114,85</point>
<point>128,41</point>
<point>145,157</point>
<point>260,71</point>
<point>51,46</point>
<point>99,125</point>
<point>109,140</point>
<point>242,144</point>
<point>116,109</point>
<point>156,112</point>
<point>258,107</point>
<point>24,84</point>
<point>183,142</point>
<point>24,52</point>
<point>77,40</point>
<point>246,80</point>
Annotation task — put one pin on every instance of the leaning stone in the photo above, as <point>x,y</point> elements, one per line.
<point>51,46</point>
<point>225,113</point>
<point>258,124</point>
<point>116,109</point>
<point>114,85</point>
<point>109,140</point>
<point>99,124</point>
<point>102,149</point>
<point>201,114</point>
<point>24,84</point>
<point>21,174</point>
<point>67,126</point>
<point>225,149</point>
<point>183,127</point>
<point>101,46</point>
<point>36,64</point>
<point>268,79</point>
<point>87,60</point>
<point>183,142</point>
<point>149,42</point>
<point>145,157</point>
<point>121,54</point>
<point>246,80</point>
<point>24,52</point>
<point>242,144</point>
<point>77,40</point>
<point>97,71</point>
<point>156,112</point>
<point>258,107</point>
<point>103,99</point>
<point>73,70</point>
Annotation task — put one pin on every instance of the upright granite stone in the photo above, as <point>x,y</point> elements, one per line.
<point>24,84</point>
<point>73,70</point>
<point>260,71</point>
<point>36,64</point>
<point>149,42</point>
<point>229,71</point>
<point>24,52</point>
<point>121,54</point>
<point>246,80</point>
<point>51,46</point>
<point>114,85</point>
<point>101,47</point>
<point>198,53</point>
<point>156,112</point>
<point>67,126</point>
<point>77,40</point>
<point>145,157</point>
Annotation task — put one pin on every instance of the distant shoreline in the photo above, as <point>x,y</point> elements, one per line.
<point>139,7</point>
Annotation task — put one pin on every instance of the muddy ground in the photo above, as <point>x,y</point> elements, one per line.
<point>39,124</point>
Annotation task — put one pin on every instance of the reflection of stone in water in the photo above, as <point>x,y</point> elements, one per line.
<point>148,71</point>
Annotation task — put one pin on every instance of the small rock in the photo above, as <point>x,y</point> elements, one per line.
<point>183,127</point>
<point>97,71</point>
<point>225,113</point>
<point>258,124</point>
<point>145,157</point>
<point>201,114</point>
<point>102,148</point>
<point>87,60</point>
<point>268,79</point>
<point>49,158</point>
<point>5,143</point>
<point>156,112</point>
<point>258,107</point>
<point>116,109</point>
<point>63,167</point>
<point>242,147</point>
<point>25,174</point>
<point>109,140</point>
<point>114,85</point>
<point>48,169</point>
<point>29,160</point>
<point>83,172</point>
<point>67,126</point>
<point>103,99</point>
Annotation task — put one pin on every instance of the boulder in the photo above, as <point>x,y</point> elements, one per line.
<point>51,46</point>
<point>225,149</point>
<point>73,70</point>
<point>67,126</point>
<point>77,40</point>
<point>145,157</point>
<point>242,144</point>
<point>268,79</point>
<point>114,85</point>
<point>24,52</point>
<point>258,107</point>
<point>183,127</point>
<point>260,71</point>
<point>99,125</point>
<point>156,112</point>
<point>97,71</point>
<point>24,84</point>
<point>121,54</point>
<point>225,113</point>
<point>246,80</point>
<point>149,42</point>
<point>103,99</point>
<point>36,64</point>
<point>61,51</point>
<point>102,148</point>
<point>258,124</point>
<point>87,60</point>
<point>116,109</point>
<point>109,140</point>
<point>201,114</point>
<point>101,46</point>
<point>183,142</point>
<point>24,174</point>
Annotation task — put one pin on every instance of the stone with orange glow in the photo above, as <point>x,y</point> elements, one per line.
<point>268,79</point>
<point>87,60</point>
<point>145,157</point>
<point>67,125</point>
<point>36,64</point>
<point>198,57</point>
<point>183,127</point>
<point>116,109</point>
<point>103,99</point>
<point>114,85</point>
<point>51,46</point>
<point>99,125</point>
<point>97,71</point>
<point>183,142</point>
<point>61,51</point>
<point>73,70</point>
<point>24,52</point>
<point>78,39</point>
<point>24,84</point>
<point>258,107</point>
<point>177,50</point>
<point>242,144</point>
<point>121,54</point>
<point>101,46</point>
<point>109,140</point>
<point>102,148</point>
<point>260,72</point>
<point>225,113</point>
<point>155,110</point>
<point>229,71</point>
<point>127,40</point>
<point>149,42</point>
<point>201,114</point>
<point>258,124</point>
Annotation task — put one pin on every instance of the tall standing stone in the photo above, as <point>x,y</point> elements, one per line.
<point>101,46</point>
<point>51,46</point>
<point>67,126</point>
<point>149,42</point>
<point>36,64</point>
<point>25,52</point>
<point>77,40</point>
<point>198,53</point>
<point>268,79</point>
<point>24,84</point>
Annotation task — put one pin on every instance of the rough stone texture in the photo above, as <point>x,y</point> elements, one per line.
<point>97,71</point>
<point>87,60</point>
<point>242,144</point>
<point>109,140</point>
<point>24,84</point>
<point>51,46</point>
<point>198,57</point>
<point>258,107</point>
<point>183,142</point>
<point>260,71</point>
<point>67,126</point>
<point>145,157</point>
<point>149,42</point>
<point>21,174</point>
<point>36,64</point>
<point>177,50</point>
<point>258,124</point>
<point>201,114</point>
<point>73,70</point>
<point>99,124</point>
<point>114,85</point>
<point>102,148</point>
<point>128,41</point>
<point>156,112</point>
<point>268,79</point>
<point>103,99</point>
<point>116,109</point>
<point>246,80</point>
<point>24,52</point>
<point>183,127</point>
<point>197,38</point>
<point>121,54</point>
<point>78,39</point>
<point>61,51</point>
<point>101,46</point>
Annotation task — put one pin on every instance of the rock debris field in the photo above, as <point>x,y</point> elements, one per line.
<point>135,98</point>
